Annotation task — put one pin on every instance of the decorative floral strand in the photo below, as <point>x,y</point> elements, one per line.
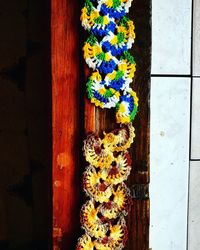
<point>106,52</point>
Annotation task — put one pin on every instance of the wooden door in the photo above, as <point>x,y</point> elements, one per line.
<point>74,117</point>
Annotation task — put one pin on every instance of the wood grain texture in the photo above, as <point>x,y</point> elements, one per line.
<point>66,137</point>
<point>74,116</point>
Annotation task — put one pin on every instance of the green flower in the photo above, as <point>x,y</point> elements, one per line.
<point>92,40</point>
<point>119,75</point>
<point>89,88</point>
<point>99,20</point>
<point>116,3</point>
<point>101,56</point>
<point>127,56</point>
<point>124,21</point>
<point>120,37</point>
<point>89,6</point>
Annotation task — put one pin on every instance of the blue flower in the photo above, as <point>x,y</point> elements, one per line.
<point>107,67</point>
<point>99,97</point>
<point>117,85</point>
<point>104,31</point>
<point>112,12</point>
<point>128,99</point>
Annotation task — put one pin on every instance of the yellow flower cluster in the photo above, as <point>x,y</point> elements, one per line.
<point>110,165</point>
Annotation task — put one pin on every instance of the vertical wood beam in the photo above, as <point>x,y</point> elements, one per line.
<point>65,113</point>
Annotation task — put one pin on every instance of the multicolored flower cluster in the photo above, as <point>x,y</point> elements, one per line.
<point>106,52</point>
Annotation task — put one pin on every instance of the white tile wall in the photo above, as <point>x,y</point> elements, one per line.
<point>171,36</point>
<point>195,135</point>
<point>170,118</point>
<point>196,43</point>
<point>175,224</point>
<point>194,193</point>
<point>194,207</point>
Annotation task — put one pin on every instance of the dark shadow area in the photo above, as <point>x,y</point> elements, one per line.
<point>25,125</point>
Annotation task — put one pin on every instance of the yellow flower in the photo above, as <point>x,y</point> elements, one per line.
<point>96,50</point>
<point>87,49</point>
<point>131,28</point>
<point>122,119</point>
<point>94,15</point>
<point>122,108</point>
<point>136,99</point>
<point>96,76</point>
<point>121,29</point>
<point>117,94</point>
<point>132,71</point>
<point>102,91</point>
<point>111,76</point>
<point>97,102</point>
<point>109,3</point>
<point>107,57</point>
<point>114,40</point>
<point>105,20</point>
<point>84,14</point>
<point>123,67</point>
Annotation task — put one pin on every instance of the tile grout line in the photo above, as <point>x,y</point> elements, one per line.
<point>191,116</point>
<point>171,75</point>
<point>190,129</point>
<point>189,164</point>
<point>187,233</point>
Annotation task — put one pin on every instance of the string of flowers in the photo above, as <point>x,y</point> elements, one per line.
<point>106,51</point>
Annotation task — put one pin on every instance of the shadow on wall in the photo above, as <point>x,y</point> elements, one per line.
<point>25,126</point>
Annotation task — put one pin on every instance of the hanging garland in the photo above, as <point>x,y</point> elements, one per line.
<point>106,52</point>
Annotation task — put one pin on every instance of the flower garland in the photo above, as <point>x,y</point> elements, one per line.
<point>106,52</point>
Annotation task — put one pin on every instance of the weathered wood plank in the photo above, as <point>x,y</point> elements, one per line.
<point>66,137</point>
